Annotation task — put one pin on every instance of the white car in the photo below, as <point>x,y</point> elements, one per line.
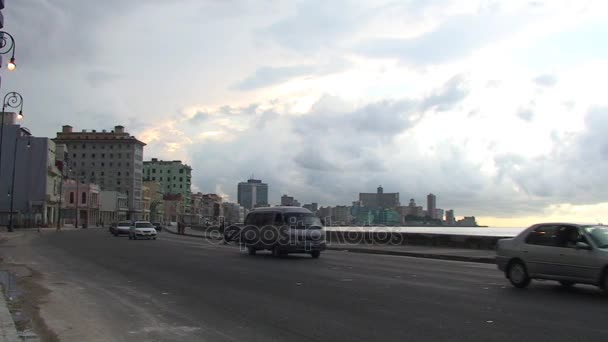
<point>142,229</point>
<point>121,228</point>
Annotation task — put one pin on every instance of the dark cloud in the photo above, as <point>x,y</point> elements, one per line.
<point>443,99</point>
<point>546,80</point>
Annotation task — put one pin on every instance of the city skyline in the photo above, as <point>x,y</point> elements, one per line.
<point>494,120</point>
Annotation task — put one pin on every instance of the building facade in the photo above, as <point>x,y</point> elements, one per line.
<point>212,208</point>
<point>81,204</point>
<point>29,178</point>
<point>157,207</point>
<point>289,201</point>
<point>312,207</point>
<point>252,194</point>
<point>233,213</point>
<point>380,199</point>
<point>431,205</point>
<point>112,159</point>
<point>174,178</point>
<point>449,217</point>
<point>113,207</point>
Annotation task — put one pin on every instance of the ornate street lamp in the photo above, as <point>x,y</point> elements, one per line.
<point>7,45</point>
<point>11,100</point>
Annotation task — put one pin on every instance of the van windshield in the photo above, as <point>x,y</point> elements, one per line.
<point>302,220</point>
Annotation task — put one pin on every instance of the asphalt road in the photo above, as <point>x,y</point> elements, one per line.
<point>183,289</point>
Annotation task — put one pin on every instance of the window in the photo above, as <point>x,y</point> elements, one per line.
<point>74,155</point>
<point>83,199</point>
<point>174,185</point>
<point>168,171</point>
<point>118,173</point>
<point>111,155</point>
<point>93,155</point>
<point>119,163</point>
<point>599,235</point>
<point>544,236</point>
<point>153,170</point>
<point>160,179</point>
<point>118,182</point>
<point>173,177</point>
<point>128,173</point>
<point>128,164</point>
<point>111,164</point>
<point>120,155</point>
<point>103,164</point>
<point>103,155</point>
<point>93,147</point>
<point>71,197</point>
<point>181,170</point>
<point>181,179</point>
<point>180,186</point>
<point>92,163</point>
<point>102,173</point>
<point>84,155</point>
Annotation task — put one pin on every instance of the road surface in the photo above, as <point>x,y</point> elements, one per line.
<point>105,288</point>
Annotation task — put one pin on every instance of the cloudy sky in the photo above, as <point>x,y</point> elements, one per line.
<point>497,107</point>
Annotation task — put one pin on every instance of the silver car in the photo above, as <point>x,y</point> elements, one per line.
<point>142,230</point>
<point>565,252</point>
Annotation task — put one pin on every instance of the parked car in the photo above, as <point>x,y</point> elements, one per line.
<point>142,229</point>
<point>121,228</point>
<point>158,226</point>
<point>565,252</point>
<point>283,230</point>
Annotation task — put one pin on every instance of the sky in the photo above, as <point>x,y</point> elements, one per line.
<point>499,108</point>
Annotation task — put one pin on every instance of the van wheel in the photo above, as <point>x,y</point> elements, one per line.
<point>276,251</point>
<point>518,275</point>
<point>251,250</point>
<point>315,254</point>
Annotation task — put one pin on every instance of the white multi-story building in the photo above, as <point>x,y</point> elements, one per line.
<point>112,159</point>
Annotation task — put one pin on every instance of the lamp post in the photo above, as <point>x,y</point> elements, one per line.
<point>10,222</point>
<point>7,45</point>
<point>11,100</point>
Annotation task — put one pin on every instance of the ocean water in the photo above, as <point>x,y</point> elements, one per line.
<point>472,231</point>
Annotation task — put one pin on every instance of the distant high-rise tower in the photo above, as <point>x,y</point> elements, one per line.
<point>252,194</point>
<point>431,205</point>
<point>449,217</point>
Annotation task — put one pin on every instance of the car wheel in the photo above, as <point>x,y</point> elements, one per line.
<point>518,275</point>
<point>315,254</point>
<point>154,238</point>
<point>567,283</point>
<point>251,250</point>
<point>276,251</point>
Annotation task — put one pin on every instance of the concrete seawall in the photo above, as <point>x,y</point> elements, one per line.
<point>390,238</point>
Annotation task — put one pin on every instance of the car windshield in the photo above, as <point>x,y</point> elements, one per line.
<point>302,220</point>
<point>599,235</point>
<point>143,225</point>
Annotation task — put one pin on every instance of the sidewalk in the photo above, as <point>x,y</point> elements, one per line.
<point>429,252</point>
<point>8,331</point>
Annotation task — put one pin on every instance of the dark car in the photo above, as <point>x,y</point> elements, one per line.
<point>158,226</point>
<point>282,230</point>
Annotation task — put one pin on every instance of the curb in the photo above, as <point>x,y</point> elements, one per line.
<point>193,235</point>
<point>8,331</point>
<point>483,260</point>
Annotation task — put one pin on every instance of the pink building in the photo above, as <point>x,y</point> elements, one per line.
<point>80,203</point>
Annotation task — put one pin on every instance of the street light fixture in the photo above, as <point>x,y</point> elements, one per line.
<point>11,100</point>
<point>7,45</point>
